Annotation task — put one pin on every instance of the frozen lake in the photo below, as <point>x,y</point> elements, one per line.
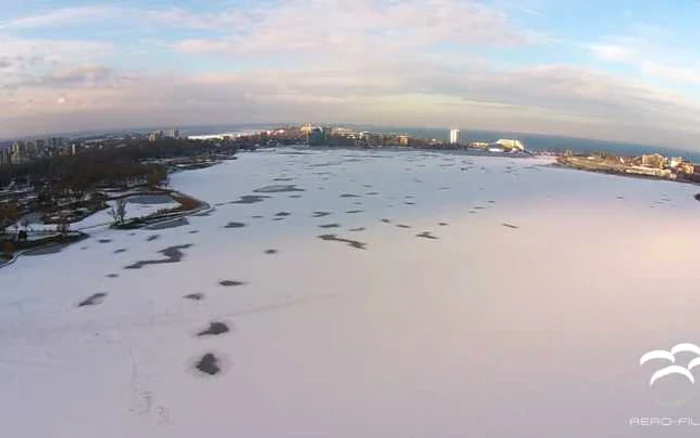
<point>364,294</point>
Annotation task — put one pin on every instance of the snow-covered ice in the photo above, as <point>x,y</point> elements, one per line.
<point>522,311</point>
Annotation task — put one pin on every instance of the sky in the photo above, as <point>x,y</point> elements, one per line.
<point>624,70</point>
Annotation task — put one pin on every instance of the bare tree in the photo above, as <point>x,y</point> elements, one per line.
<point>63,226</point>
<point>118,211</point>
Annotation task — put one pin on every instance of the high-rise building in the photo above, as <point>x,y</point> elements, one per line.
<point>32,151</point>
<point>454,136</point>
<point>55,142</point>
<point>19,153</point>
<point>4,157</point>
<point>175,133</point>
<point>155,136</point>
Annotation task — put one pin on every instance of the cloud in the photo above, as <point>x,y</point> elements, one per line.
<point>25,60</point>
<point>372,61</point>
<point>612,52</point>
<point>547,98</point>
<point>649,57</point>
<point>224,21</point>
<point>61,17</point>
<point>315,27</point>
<point>87,76</point>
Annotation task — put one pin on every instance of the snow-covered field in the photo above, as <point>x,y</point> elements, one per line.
<point>450,296</point>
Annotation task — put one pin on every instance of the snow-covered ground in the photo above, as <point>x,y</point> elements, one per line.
<point>522,311</point>
<point>136,206</point>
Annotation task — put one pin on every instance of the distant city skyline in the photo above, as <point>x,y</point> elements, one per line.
<point>625,70</point>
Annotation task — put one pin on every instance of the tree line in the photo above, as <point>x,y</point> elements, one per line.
<point>63,180</point>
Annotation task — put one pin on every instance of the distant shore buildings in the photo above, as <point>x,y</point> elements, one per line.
<point>649,165</point>
<point>509,144</point>
<point>26,151</point>
<point>500,145</point>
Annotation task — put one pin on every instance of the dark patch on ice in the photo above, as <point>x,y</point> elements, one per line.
<point>372,193</point>
<point>112,275</point>
<point>479,208</point>
<point>153,237</point>
<point>258,216</point>
<point>150,199</point>
<point>232,283</point>
<point>194,297</point>
<point>132,234</point>
<point>697,197</point>
<point>283,214</point>
<point>283,179</point>
<point>410,203</point>
<point>294,153</point>
<point>271,251</point>
<point>386,221</point>
<point>357,203</point>
<point>473,212</point>
<point>443,224</point>
<point>119,251</point>
<point>510,225</point>
<point>337,163</point>
<point>279,188</point>
<point>93,300</point>
<point>104,240</point>
<point>354,211</point>
<point>320,213</point>
<point>215,328</point>
<point>46,250</point>
<point>83,248</point>
<point>353,243</point>
<point>295,196</point>
<point>179,222</point>
<point>208,364</point>
<point>231,225</point>
<point>368,186</point>
<point>445,188</point>
<point>427,235</point>
<point>250,199</point>
<point>403,226</point>
<point>194,231</point>
<point>329,226</point>
<point>173,254</point>
<point>349,195</point>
